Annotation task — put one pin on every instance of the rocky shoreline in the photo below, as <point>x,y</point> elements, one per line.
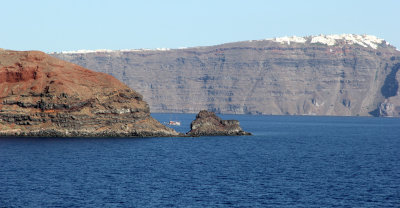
<point>77,133</point>
<point>206,124</point>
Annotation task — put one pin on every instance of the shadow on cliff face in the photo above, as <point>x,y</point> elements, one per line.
<point>389,88</point>
<point>375,112</point>
<point>391,85</point>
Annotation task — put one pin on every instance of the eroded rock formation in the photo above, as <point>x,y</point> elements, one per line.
<point>44,96</point>
<point>344,75</point>
<point>209,124</point>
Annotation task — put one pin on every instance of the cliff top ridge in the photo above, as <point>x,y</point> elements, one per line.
<point>330,40</point>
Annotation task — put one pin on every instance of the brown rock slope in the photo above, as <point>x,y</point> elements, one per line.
<point>209,124</point>
<point>44,96</point>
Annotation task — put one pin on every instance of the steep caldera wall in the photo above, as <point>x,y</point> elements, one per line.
<point>344,75</point>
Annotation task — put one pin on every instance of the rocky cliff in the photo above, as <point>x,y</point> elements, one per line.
<point>43,96</point>
<point>344,75</point>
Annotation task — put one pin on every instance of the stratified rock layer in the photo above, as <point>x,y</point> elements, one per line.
<point>344,75</point>
<point>209,124</point>
<point>44,96</point>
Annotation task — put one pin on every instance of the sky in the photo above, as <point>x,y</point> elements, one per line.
<point>63,25</point>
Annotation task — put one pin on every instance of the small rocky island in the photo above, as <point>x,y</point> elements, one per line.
<point>209,124</point>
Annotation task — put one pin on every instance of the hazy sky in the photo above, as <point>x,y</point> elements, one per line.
<point>58,25</point>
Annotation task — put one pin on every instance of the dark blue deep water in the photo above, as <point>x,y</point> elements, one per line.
<point>289,162</point>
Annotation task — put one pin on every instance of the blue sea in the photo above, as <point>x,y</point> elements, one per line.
<point>290,161</point>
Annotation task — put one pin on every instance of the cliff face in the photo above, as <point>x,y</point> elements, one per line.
<point>44,96</point>
<point>321,75</point>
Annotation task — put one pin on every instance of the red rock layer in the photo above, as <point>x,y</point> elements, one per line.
<point>44,96</point>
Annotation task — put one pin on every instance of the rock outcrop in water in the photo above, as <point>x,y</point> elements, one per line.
<point>344,75</point>
<point>44,96</point>
<point>209,124</point>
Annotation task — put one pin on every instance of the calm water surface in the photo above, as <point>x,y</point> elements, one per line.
<point>289,162</point>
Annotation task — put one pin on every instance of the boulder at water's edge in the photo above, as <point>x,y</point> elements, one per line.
<point>209,124</point>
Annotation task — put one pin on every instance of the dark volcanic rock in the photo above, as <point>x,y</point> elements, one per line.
<point>344,75</point>
<point>44,96</point>
<point>209,124</point>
